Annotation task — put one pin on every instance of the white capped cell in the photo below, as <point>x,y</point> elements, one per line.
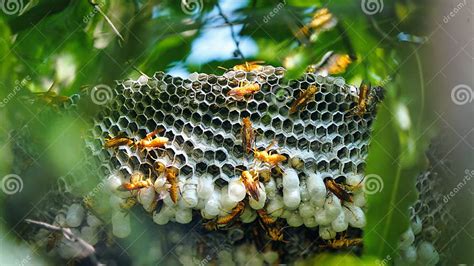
<point>359,199</point>
<point>146,197</point>
<point>226,203</point>
<point>115,202</point>
<point>318,202</point>
<point>315,185</point>
<point>310,222</point>
<point>295,220</point>
<point>326,232</point>
<point>121,224</point>
<point>161,184</point>
<point>113,182</point>
<point>93,221</point>
<point>237,190</point>
<point>183,215</point>
<point>161,218</point>
<point>332,206</point>
<point>409,254</point>
<point>406,239</point>
<point>189,194</point>
<point>340,224</point>
<point>322,218</point>
<point>427,254</point>
<point>355,216</point>
<point>75,215</point>
<point>205,187</point>
<point>275,206</point>
<point>291,181</point>
<point>213,205</point>
<point>306,210</point>
<point>271,188</point>
<point>89,234</point>
<point>291,198</point>
<point>305,195</point>
<point>60,220</point>
<point>248,215</point>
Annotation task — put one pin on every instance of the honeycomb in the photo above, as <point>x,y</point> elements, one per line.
<point>425,241</point>
<point>203,124</point>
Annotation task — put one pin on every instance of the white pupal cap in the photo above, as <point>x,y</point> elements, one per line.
<point>237,190</point>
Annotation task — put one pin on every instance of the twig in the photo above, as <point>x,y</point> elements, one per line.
<point>97,7</point>
<point>87,249</point>
<point>234,36</point>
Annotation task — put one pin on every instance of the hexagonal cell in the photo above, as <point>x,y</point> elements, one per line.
<point>322,166</point>
<point>277,123</point>
<point>334,165</point>
<point>234,116</point>
<point>326,117</point>
<point>206,120</point>
<point>198,131</point>
<point>201,168</point>
<point>303,144</point>
<point>196,118</point>
<point>186,171</point>
<point>209,155</point>
<point>123,122</point>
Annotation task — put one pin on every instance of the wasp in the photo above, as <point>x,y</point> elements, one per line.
<point>171,175</point>
<point>236,212</point>
<point>331,64</point>
<point>248,134</point>
<point>136,182</point>
<point>50,97</point>
<point>338,190</point>
<point>303,98</point>
<point>150,142</point>
<point>210,226</point>
<point>363,100</point>
<point>249,66</point>
<point>244,90</point>
<point>343,243</point>
<point>274,231</point>
<point>321,19</point>
<point>266,157</point>
<point>118,141</point>
<point>251,183</point>
<point>265,217</point>
<point>128,204</point>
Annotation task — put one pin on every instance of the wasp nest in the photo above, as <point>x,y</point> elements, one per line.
<point>201,123</point>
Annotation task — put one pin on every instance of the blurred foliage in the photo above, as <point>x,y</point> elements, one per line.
<point>71,43</point>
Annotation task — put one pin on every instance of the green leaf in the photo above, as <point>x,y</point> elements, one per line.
<point>388,215</point>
